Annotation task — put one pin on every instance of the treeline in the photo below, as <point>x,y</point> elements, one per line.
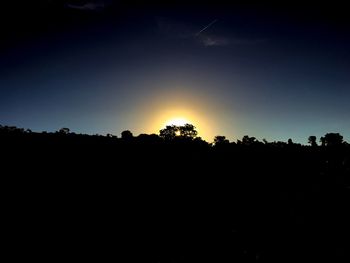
<point>174,197</point>
<point>174,133</point>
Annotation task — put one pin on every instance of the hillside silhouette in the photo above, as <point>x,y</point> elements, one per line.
<point>174,197</point>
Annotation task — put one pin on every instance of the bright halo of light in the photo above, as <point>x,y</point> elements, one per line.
<point>180,117</point>
<point>177,121</point>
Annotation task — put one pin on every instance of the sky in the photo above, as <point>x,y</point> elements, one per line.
<point>268,70</point>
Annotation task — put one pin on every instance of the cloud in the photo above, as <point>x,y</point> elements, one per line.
<point>179,30</point>
<point>209,40</point>
<point>97,5</point>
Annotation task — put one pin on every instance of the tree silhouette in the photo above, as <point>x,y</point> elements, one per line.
<point>127,135</point>
<point>312,140</point>
<point>168,180</point>
<point>220,140</point>
<point>188,131</point>
<point>64,130</point>
<point>246,140</point>
<point>333,139</point>
<point>169,132</point>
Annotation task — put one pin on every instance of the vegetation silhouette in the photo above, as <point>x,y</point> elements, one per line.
<point>220,140</point>
<point>127,135</point>
<point>174,197</point>
<point>333,139</point>
<point>312,140</point>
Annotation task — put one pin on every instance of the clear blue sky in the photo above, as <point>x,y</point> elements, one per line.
<point>268,71</point>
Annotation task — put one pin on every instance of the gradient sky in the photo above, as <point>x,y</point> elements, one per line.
<point>265,70</point>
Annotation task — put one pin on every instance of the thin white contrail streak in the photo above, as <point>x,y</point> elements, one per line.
<point>204,28</point>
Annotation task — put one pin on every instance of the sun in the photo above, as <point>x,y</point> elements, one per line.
<point>178,121</point>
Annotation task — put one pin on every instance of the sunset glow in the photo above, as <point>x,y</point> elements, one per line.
<point>180,131</point>
<point>177,121</point>
<point>179,108</point>
<point>180,117</point>
<point>232,72</point>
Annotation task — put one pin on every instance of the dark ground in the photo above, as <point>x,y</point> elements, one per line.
<point>76,197</point>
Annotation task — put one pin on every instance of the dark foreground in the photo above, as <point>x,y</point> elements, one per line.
<point>73,197</point>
